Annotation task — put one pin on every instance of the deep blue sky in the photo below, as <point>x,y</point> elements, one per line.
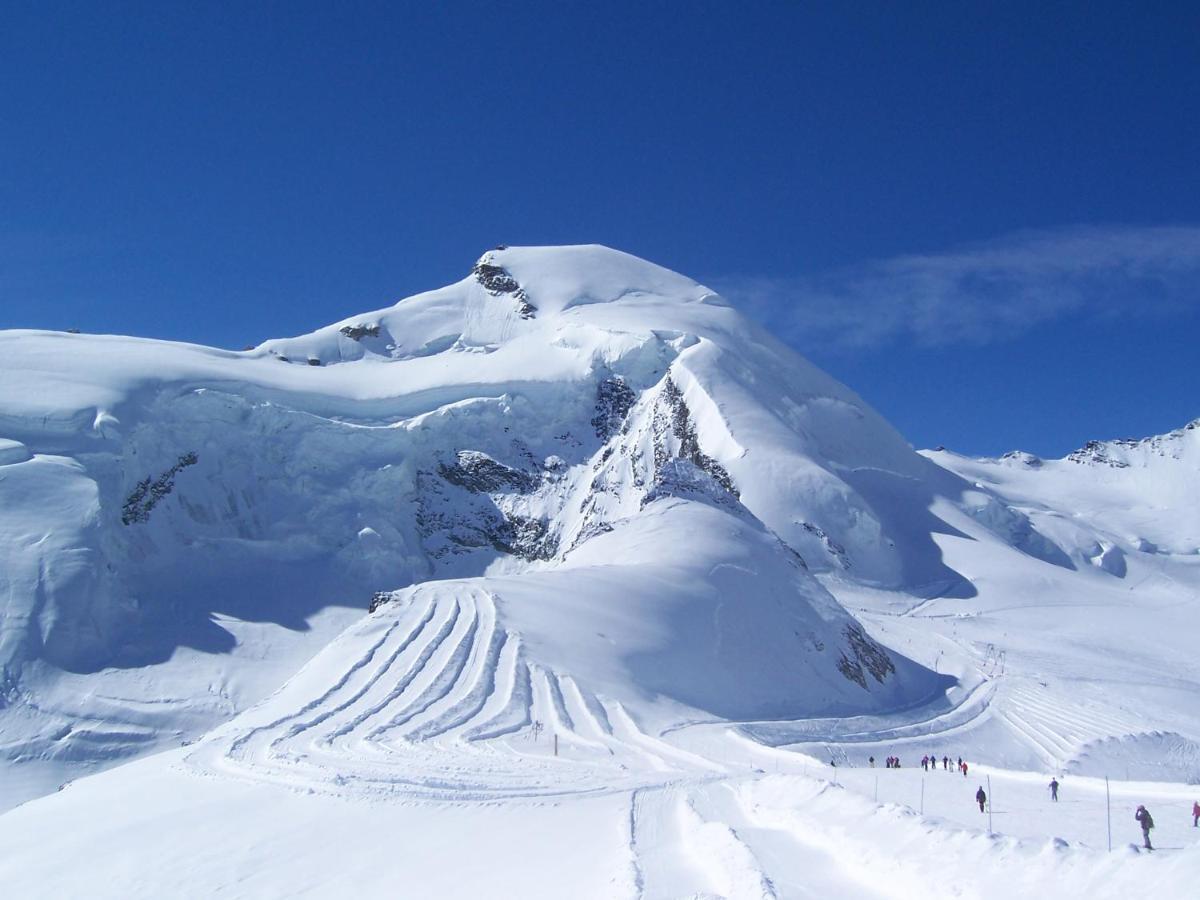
<point>228,175</point>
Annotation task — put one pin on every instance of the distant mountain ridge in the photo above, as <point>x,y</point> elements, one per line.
<point>1119,453</point>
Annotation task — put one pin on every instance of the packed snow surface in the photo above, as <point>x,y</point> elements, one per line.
<point>566,580</point>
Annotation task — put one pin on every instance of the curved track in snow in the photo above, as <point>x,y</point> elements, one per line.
<point>437,700</point>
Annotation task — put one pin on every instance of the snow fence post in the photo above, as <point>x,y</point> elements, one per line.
<point>923,795</point>
<point>1108,811</point>
<point>876,788</point>
<point>989,781</point>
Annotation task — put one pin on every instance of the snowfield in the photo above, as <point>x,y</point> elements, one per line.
<point>567,580</point>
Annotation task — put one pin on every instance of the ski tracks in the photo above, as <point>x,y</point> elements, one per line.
<point>680,853</point>
<point>441,703</point>
<point>700,839</point>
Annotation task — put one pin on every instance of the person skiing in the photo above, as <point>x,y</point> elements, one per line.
<point>1195,814</point>
<point>1054,789</point>
<point>980,798</point>
<point>925,763</point>
<point>964,768</point>
<point>1147,822</point>
<point>946,763</point>
<point>871,760</point>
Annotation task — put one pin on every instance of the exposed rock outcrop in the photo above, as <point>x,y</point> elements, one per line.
<point>149,492</point>
<point>865,657</point>
<point>497,281</point>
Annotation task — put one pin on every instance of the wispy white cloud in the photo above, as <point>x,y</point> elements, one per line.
<point>983,292</point>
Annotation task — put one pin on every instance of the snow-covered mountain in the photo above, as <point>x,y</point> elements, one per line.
<point>1107,498</point>
<point>571,527</point>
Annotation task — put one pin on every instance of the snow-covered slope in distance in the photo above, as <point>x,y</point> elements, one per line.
<point>1131,494</point>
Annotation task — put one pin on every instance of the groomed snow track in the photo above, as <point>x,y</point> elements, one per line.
<point>433,699</point>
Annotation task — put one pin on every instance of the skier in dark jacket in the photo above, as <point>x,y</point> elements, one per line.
<point>1147,822</point>
<point>980,798</point>
<point>1054,789</point>
<point>1195,814</point>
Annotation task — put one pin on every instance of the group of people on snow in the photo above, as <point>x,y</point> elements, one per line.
<point>929,763</point>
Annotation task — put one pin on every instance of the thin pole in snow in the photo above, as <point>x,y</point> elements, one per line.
<point>922,795</point>
<point>989,781</point>
<point>876,788</point>
<point>556,745</point>
<point>1108,809</point>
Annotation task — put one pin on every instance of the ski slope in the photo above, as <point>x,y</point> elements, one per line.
<point>646,590</point>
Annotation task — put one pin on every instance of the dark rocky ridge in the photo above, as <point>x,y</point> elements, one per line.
<point>614,399</point>
<point>832,547</point>
<point>865,656</point>
<point>680,423</point>
<point>498,281</point>
<point>358,332</point>
<point>479,473</point>
<point>149,492</point>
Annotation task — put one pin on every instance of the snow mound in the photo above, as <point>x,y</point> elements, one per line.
<point>13,452</point>
<point>1151,756</point>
